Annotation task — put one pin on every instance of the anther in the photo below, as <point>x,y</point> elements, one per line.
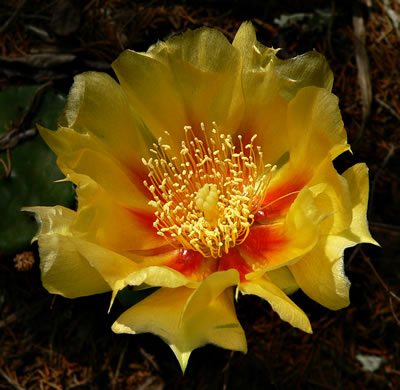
<point>206,199</point>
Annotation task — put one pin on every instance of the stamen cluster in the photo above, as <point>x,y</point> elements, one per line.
<point>206,198</point>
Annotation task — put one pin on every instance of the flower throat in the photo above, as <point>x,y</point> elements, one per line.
<point>205,199</point>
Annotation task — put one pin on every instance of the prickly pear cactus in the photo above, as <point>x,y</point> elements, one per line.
<point>28,170</point>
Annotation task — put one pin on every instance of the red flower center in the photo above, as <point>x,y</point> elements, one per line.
<point>206,199</point>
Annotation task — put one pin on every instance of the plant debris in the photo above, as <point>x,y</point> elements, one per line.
<point>49,342</point>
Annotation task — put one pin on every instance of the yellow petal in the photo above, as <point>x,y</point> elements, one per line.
<point>332,196</point>
<point>120,270</point>
<point>80,154</point>
<point>52,220</point>
<point>97,106</point>
<point>357,178</point>
<point>265,108</point>
<point>283,278</point>
<point>160,314</point>
<point>209,315</point>
<point>57,221</point>
<point>269,84</point>
<point>189,79</point>
<point>306,70</point>
<point>315,129</point>
<point>320,274</point>
<point>268,247</point>
<point>254,54</point>
<point>265,112</point>
<point>70,263</point>
<point>303,220</point>
<point>158,276</point>
<point>187,319</point>
<point>64,270</point>
<point>101,219</point>
<point>315,133</point>
<point>309,69</point>
<point>279,301</point>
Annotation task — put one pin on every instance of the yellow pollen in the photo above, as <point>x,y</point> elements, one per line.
<point>206,196</point>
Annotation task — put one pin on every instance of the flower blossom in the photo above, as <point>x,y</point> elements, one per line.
<point>207,172</point>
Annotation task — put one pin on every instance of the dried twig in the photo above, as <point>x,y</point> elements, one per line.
<point>40,60</point>
<point>6,165</point>
<point>16,133</point>
<point>385,227</point>
<point>117,370</point>
<point>13,16</point>
<point>9,320</point>
<point>363,69</point>
<point>384,285</point>
<point>352,256</point>
<point>11,381</point>
<point>388,107</point>
<point>389,154</point>
<point>329,31</point>
<point>226,370</point>
<point>150,358</point>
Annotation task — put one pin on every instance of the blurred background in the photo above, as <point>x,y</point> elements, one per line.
<point>49,342</point>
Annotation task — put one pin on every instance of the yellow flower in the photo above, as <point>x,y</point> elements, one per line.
<point>207,168</point>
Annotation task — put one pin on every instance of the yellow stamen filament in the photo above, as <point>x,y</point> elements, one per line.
<point>206,198</point>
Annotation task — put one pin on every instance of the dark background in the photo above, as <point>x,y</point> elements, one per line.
<point>48,342</point>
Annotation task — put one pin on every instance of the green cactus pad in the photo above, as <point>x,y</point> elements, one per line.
<point>31,181</point>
